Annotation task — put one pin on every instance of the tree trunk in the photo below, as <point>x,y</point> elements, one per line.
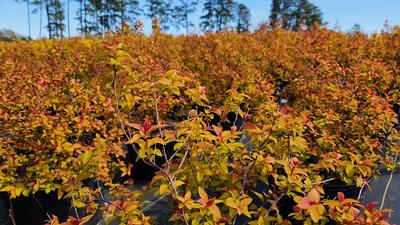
<point>40,23</point>
<point>69,31</point>
<point>81,17</point>
<point>29,17</point>
<point>48,18</point>
<point>85,14</point>
<point>187,19</point>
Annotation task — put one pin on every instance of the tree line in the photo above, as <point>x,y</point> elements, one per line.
<point>97,17</point>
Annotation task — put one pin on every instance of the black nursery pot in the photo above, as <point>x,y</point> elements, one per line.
<point>285,205</point>
<point>4,209</point>
<point>33,210</point>
<point>333,187</point>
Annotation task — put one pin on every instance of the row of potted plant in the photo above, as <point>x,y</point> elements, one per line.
<point>316,108</point>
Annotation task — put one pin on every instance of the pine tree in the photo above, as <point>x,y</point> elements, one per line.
<point>111,11</point>
<point>161,10</point>
<point>218,15</point>
<point>91,17</point>
<point>58,18</point>
<point>97,17</point>
<point>120,12</point>
<point>133,11</point>
<point>276,11</point>
<point>208,19</point>
<point>282,13</point>
<point>307,15</point>
<point>243,18</point>
<point>356,28</point>
<point>82,16</point>
<point>79,17</point>
<point>224,13</point>
<point>182,12</point>
<point>55,18</point>
<point>294,14</point>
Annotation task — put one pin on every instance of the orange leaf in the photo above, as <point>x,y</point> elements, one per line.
<point>135,126</point>
<point>310,125</point>
<point>304,203</point>
<point>215,211</point>
<point>85,219</point>
<point>154,128</point>
<point>314,196</point>
<point>203,197</point>
<point>217,130</point>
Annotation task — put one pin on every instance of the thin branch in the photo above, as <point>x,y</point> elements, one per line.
<point>11,213</point>
<point>246,176</point>
<point>115,80</point>
<point>386,190</point>
<point>273,204</point>
<point>100,189</point>
<point>181,164</point>
<point>324,181</point>
<point>245,116</point>
<point>361,190</point>
<point>266,140</point>
<point>75,209</point>
<point>159,129</point>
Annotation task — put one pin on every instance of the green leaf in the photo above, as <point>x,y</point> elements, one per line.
<point>174,90</point>
<point>155,140</point>
<point>163,189</point>
<point>179,183</point>
<point>78,204</point>
<point>350,170</point>
<point>110,219</point>
<point>7,188</point>
<point>178,146</point>
<point>86,157</point>
<point>156,152</point>
<point>300,143</point>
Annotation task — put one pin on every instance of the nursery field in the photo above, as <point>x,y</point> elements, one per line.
<point>269,127</point>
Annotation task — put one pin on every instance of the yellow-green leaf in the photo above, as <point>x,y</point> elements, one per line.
<point>163,189</point>
<point>316,212</point>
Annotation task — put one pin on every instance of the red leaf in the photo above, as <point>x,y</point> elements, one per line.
<point>340,196</point>
<point>146,124</point>
<point>210,202</point>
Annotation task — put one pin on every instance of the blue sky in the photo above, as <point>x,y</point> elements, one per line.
<point>370,14</point>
